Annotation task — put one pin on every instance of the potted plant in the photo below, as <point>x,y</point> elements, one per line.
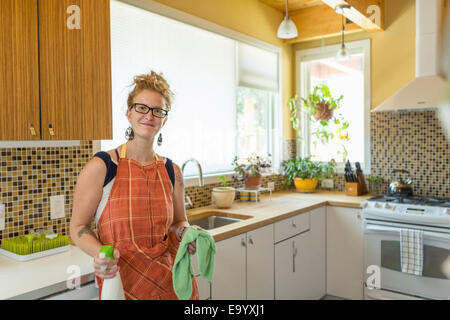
<point>305,173</point>
<point>320,108</point>
<point>374,181</point>
<point>250,169</point>
<point>223,196</point>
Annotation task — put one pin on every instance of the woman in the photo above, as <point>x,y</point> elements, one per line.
<point>137,199</point>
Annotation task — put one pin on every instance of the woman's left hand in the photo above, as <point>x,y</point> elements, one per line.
<point>192,246</point>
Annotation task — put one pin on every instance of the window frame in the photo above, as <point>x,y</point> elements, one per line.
<point>275,129</point>
<point>304,55</point>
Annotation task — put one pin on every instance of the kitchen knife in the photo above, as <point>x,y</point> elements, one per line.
<point>360,177</point>
<point>351,175</point>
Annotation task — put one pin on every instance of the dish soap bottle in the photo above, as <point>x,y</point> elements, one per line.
<point>112,288</point>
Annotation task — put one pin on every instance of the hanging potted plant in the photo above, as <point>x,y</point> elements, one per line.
<point>320,108</point>
<point>305,173</point>
<point>249,169</point>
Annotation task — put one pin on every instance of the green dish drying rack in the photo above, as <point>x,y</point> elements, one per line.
<point>33,246</point>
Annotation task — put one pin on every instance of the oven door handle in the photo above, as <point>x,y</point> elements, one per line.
<point>427,234</point>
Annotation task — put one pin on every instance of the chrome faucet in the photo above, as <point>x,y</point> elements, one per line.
<point>188,203</point>
<point>200,178</point>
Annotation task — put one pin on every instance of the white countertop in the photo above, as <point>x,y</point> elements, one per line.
<point>18,278</point>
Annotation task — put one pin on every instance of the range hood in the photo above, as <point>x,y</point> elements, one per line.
<point>425,91</point>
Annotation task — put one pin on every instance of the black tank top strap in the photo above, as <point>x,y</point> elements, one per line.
<point>111,167</point>
<point>170,171</point>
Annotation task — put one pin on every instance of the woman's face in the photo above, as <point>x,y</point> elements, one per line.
<point>147,125</point>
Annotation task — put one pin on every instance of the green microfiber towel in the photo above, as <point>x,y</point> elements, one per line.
<point>182,273</point>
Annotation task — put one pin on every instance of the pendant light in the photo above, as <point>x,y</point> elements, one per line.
<point>287,28</point>
<point>343,53</point>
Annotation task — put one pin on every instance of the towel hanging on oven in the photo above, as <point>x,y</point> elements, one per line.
<point>411,251</point>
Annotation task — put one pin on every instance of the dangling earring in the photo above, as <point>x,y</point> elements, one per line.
<point>129,134</point>
<point>160,139</point>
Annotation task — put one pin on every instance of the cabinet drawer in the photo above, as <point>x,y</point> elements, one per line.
<point>291,226</point>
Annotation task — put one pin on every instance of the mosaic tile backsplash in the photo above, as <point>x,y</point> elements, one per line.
<point>29,176</point>
<point>413,141</point>
<point>416,142</point>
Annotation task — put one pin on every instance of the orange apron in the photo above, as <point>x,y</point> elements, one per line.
<point>136,221</point>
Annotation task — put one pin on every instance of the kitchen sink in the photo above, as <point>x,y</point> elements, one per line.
<point>213,220</point>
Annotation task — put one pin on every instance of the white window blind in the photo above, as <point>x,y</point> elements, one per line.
<point>258,68</point>
<point>200,68</point>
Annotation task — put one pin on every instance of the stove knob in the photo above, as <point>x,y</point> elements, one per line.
<point>447,211</point>
<point>377,205</point>
<point>386,206</point>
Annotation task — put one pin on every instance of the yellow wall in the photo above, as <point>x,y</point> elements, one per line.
<point>392,50</point>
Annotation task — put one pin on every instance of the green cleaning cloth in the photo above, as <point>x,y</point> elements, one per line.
<point>182,273</point>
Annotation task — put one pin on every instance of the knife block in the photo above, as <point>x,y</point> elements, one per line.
<point>354,189</point>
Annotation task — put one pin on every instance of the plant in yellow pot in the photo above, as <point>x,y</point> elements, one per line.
<point>305,173</point>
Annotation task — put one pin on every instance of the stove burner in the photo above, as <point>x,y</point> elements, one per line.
<point>416,200</point>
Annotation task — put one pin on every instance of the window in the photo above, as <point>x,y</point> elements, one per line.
<point>216,85</point>
<point>349,78</point>
<point>253,121</point>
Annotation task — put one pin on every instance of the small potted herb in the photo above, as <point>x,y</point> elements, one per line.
<point>223,196</point>
<point>250,169</point>
<point>374,181</point>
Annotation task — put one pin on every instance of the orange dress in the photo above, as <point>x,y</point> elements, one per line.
<point>136,221</point>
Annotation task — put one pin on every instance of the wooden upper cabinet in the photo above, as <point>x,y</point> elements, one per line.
<point>55,70</point>
<point>19,70</point>
<point>75,69</point>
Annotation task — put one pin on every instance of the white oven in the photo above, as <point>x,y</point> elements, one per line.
<point>382,249</point>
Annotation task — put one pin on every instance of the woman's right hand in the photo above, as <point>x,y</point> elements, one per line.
<point>106,268</point>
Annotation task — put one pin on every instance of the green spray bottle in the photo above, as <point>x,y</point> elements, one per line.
<point>112,288</point>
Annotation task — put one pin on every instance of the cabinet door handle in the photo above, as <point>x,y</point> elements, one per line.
<point>250,239</point>
<point>243,242</point>
<point>294,254</point>
<point>294,224</point>
<point>51,131</point>
<point>32,130</point>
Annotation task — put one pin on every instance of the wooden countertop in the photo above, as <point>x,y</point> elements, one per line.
<point>282,205</point>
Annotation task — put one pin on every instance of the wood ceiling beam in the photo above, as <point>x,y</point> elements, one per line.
<point>318,22</point>
<point>368,14</point>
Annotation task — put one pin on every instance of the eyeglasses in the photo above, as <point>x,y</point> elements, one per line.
<point>144,109</point>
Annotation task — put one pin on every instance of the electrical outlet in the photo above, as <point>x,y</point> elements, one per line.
<point>327,183</point>
<point>271,185</point>
<point>57,207</point>
<point>2,216</point>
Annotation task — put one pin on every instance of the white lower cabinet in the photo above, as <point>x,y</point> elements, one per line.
<point>300,262</point>
<point>303,257</point>
<point>260,264</point>
<point>345,253</point>
<point>204,288</point>
<point>244,266</point>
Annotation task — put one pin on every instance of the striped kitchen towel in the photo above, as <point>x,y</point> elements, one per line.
<point>411,251</point>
